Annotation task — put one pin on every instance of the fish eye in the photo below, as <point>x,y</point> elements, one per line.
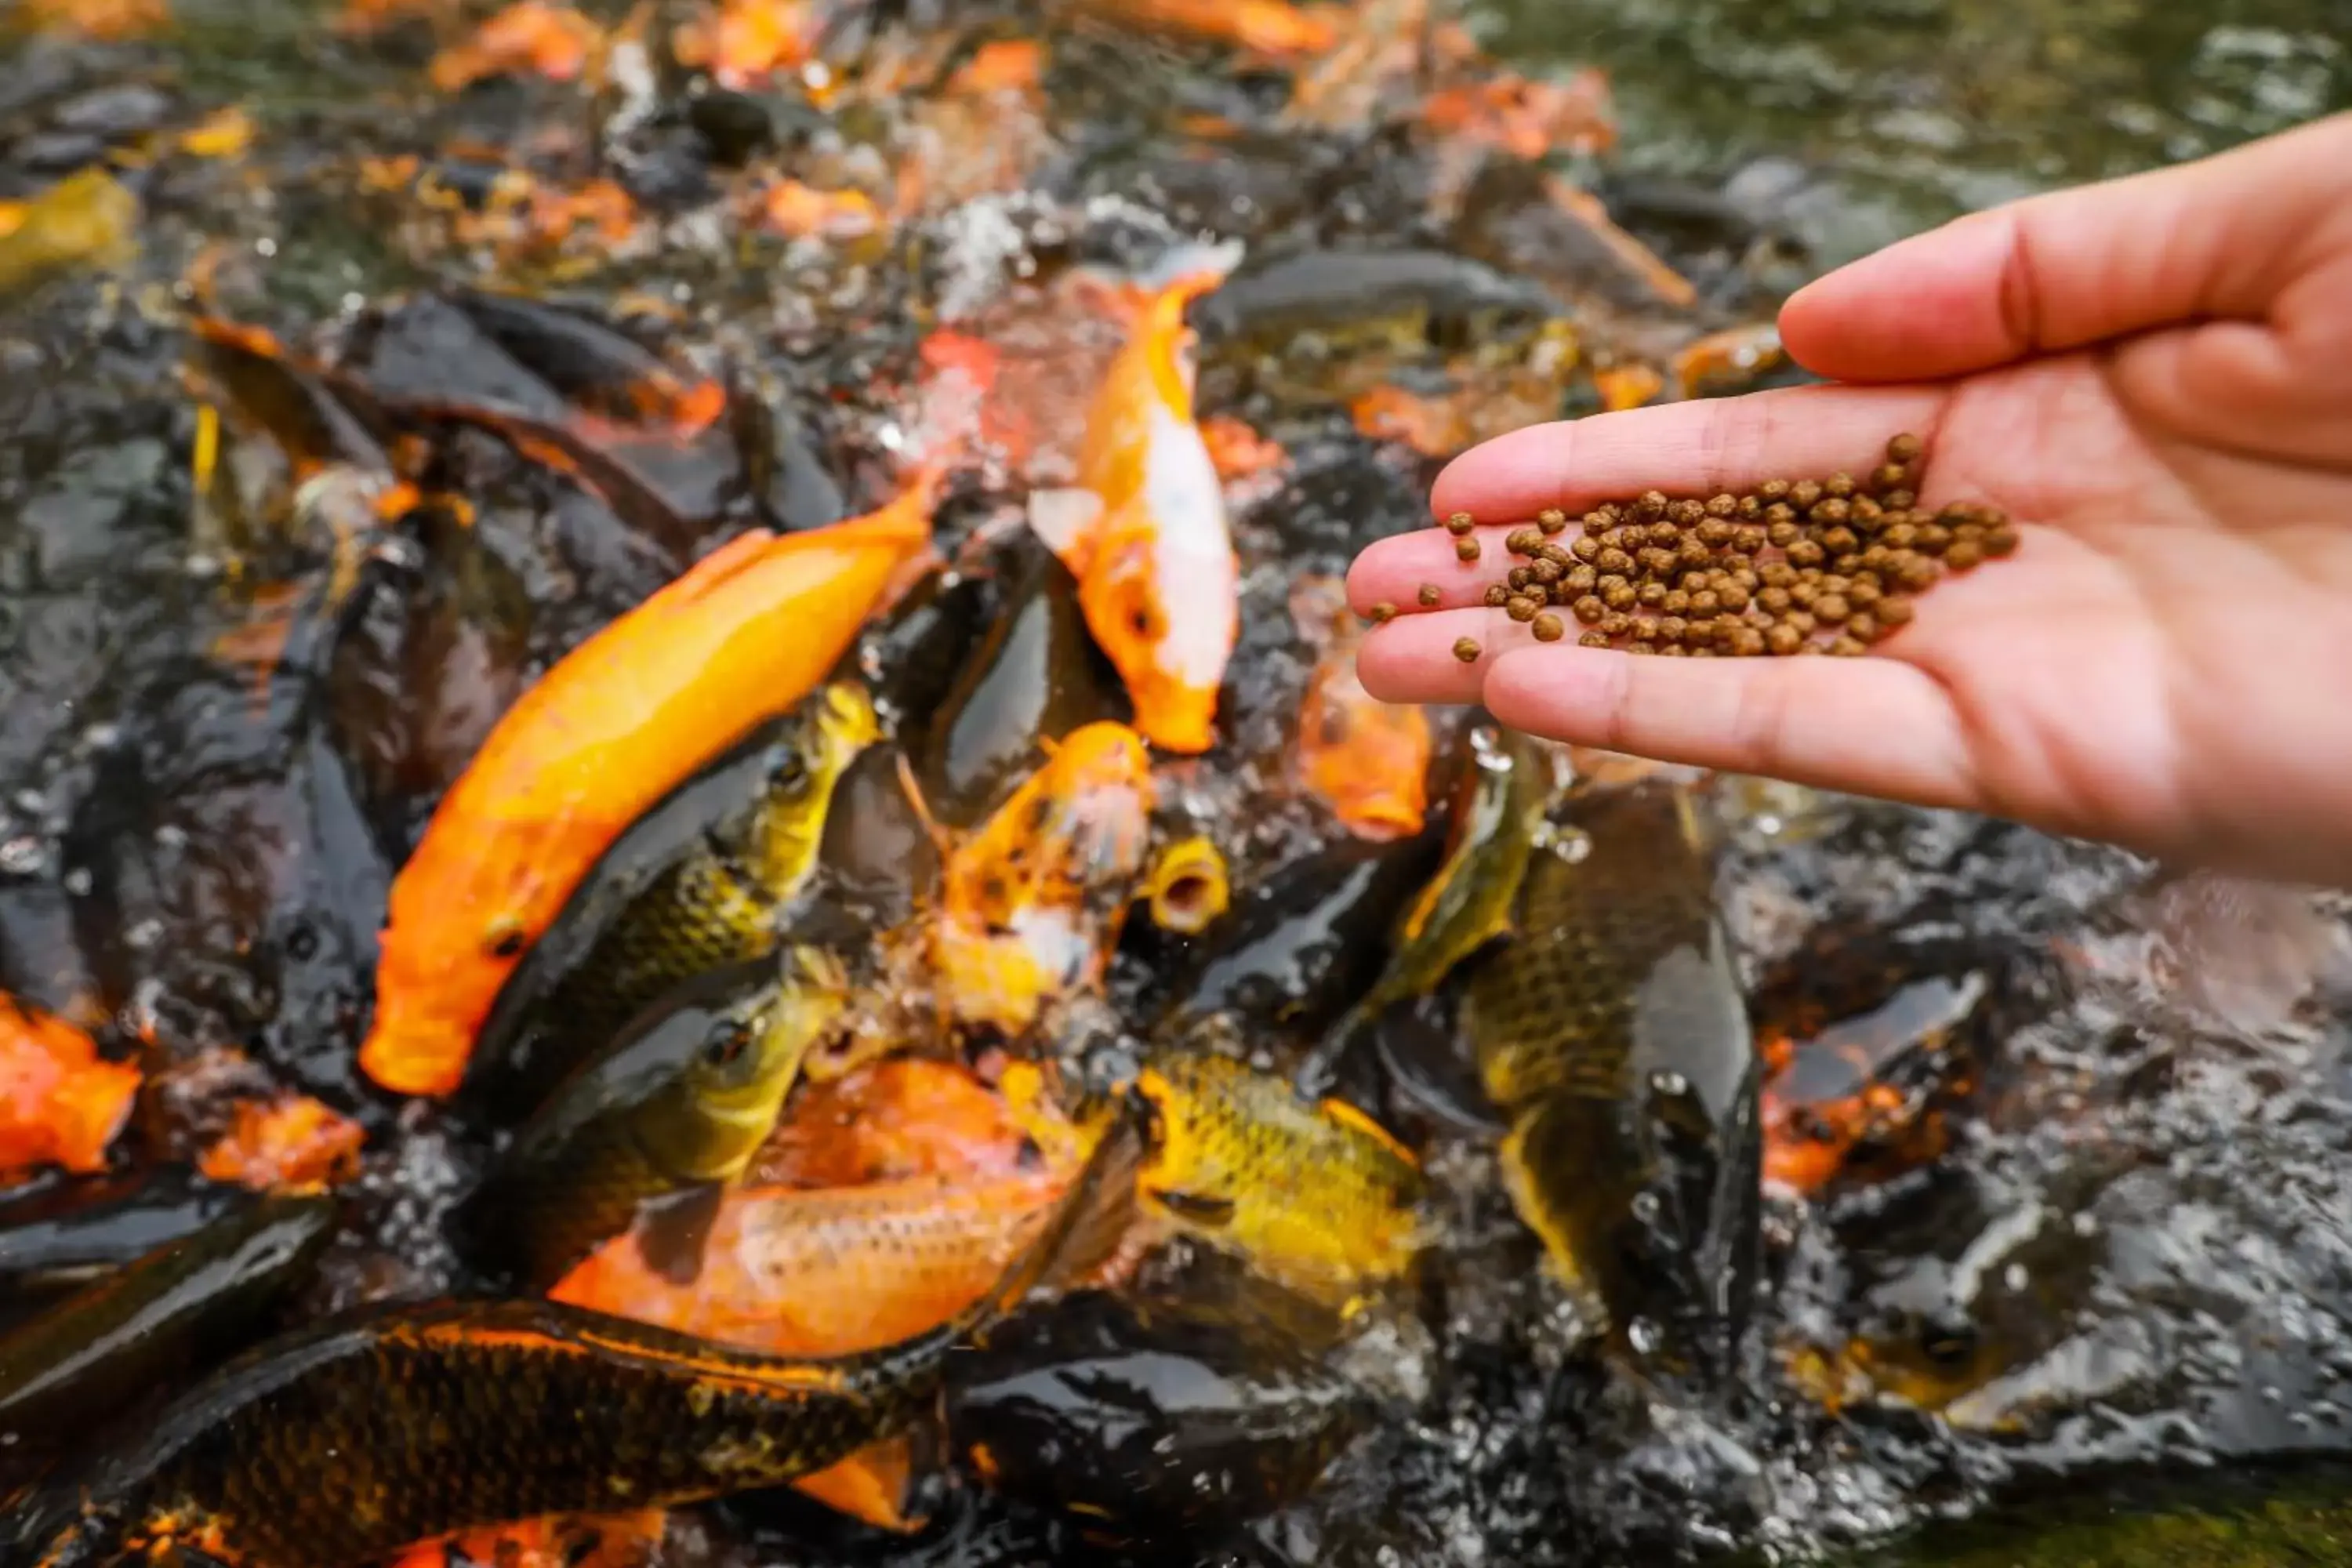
<point>791,771</point>
<point>727,1044</point>
<point>503,938</point>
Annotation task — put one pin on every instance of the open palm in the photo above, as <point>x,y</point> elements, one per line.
<point>2155,377</point>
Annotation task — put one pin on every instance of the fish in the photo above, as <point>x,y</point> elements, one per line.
<point>792,1271</point>
<point>1611,1035</point>
<point>604,735</point>
<point>61,1235</point>
<point>182,1304</point>
<point>62,1102</point>
<point>1144,529</point>
<point>1365,759</point>
<point>678,1107</point>
<point>1495,822</point>
<point>1334,302</point>
<point>396,1424</point>
<point>1188,887</point>
<point>1036,674</point>
<point>1295,951</point>
<point>88,218</point>
<point>899,1118</point>
<point>1031,904</point>
<point>1150,1416</point>
<point>707,875</point>
<point>1318,1195</point>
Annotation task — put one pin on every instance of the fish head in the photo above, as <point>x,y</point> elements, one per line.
<point>1038,892</point>
<point>1368,760</point>
<point>1187,886</point>
<point>744,1066</point>
<point>1167,615</point>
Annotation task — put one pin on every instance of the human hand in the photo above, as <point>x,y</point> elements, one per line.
<point>2154,376</point>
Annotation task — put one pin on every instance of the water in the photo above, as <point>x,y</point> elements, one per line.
<point>1857,122</point>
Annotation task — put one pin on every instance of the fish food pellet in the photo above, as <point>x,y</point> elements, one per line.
<point>1790,565</point>
<point>1547,627</point>
<point>1460,523</point>
<point>1466,549</point>
<point>1467,649</point>
<point>1381,613</point>
<point>1429,596</point>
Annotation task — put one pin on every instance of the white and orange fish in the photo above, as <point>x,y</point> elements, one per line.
<point>1144,531</point>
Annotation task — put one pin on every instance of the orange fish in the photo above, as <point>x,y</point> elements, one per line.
<point>605,1540</point>
<point>1144,529</point>
<point>1366,759</point>
<point>832,1272</point>
<point>291,1143</point>
<point>530,35</point>
<point>1030,904</point>
<point>60,1102</point>
<point>743,634</point>
<point>906,1117</point>
<point>1267,26</point>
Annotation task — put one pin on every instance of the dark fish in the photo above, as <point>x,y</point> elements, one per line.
<point>912,656</point>
<point>1036,674</point>
<point>1611,1035</point>
<point>1495,822</point>
<point>312,424</point>
<point>393,1425</point>
<point>66,1233</point>
<point>180,1306</point>
<point>1147,1416</point>
<point>1297,949</point>
<point>676,1107</point>
<point>1404,297</point>
<point>700,879</point>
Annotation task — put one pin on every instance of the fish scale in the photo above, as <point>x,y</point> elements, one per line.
<point>1611,1032</point>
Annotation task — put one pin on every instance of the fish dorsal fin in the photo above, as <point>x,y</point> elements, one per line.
<point>1067,522</point>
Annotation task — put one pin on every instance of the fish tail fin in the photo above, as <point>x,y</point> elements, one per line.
<point>1156,296</point>
<point>1087,1227</point>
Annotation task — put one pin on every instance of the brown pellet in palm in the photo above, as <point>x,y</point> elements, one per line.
<point>1522,608</point>
<point>1467,649</point>
<point>1497,595</point>
<point>1551,519</point>
<point>1429,596</point>
<point>1593,639</point>
<point>1466,549</point>
<point>1547,627</point>
<point>1460,523</point>
<point>1381,613</point>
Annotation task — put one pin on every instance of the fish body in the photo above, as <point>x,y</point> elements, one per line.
<point>1611,1035</point>
<point>612,729</point>
<point>796,1271</point>
<point>179,1306</point>
<point>702,880</point>
<point>61,1236</point>
<point>1148,1416</point>
<point>1033,676</point>
<point>1400,298</point>
<point>88,218</point>
<point>62,1102</point>
<point>1145,530</point>
<point>395,1425</point>
<point>1317,1195</point>
<point>682,1099</point>
<point>1188,885</point>
<point>1031,904</point>
<point>899,1118</point>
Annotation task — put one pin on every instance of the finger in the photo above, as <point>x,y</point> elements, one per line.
<point>1394,570</point>
<point>2218,238</point>
<point>1412,659</point>
<point>1866,726</point>
<point>1704,446</point>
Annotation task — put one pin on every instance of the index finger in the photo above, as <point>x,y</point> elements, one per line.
<point>1705,445</point>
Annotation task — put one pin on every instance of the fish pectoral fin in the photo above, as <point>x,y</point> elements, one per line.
<point>1194,1208</point>
<point>1065,520</point>
<point>672,1231</point>
<point>872,1485</point>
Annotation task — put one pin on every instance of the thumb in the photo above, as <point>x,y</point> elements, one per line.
<point>1867,726</point>
<point>2221,240</point>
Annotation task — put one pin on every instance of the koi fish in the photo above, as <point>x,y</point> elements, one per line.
<point>1144,529</point>
<point>609,731</point>
<point>1031,904</point>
